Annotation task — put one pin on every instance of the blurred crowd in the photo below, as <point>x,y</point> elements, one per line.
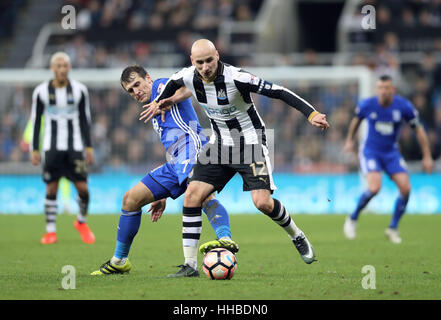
<point>124,143</point>
<point>147,30</point>
<point>9,10</point>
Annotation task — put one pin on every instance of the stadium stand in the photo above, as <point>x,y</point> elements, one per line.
<point>159,33</point>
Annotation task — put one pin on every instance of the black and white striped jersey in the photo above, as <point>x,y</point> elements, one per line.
<point>67,118</point>
<point>227,100</point>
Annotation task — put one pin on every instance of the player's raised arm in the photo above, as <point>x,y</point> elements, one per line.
<point>247,83</point>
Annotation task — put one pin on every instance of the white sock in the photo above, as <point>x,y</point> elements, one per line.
<point>50,227</point>
<point>191,256</point>
<point>191,232</point>
<point>282,217</point>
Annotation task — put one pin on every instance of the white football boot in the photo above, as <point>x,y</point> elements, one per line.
<point>393,235</point>
<point>349,228</point>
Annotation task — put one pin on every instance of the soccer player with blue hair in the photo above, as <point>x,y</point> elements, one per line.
<point>385,114</point>
<point>182,137</point>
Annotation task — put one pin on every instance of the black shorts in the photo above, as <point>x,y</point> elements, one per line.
<point>69,164</point>
<point>254,166</point>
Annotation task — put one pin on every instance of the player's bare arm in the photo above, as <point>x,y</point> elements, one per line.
<point>353,127</point>
<point>427,161</point>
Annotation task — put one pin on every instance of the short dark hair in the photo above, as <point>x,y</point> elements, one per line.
<point>125,75</point>
<point>385,77</point>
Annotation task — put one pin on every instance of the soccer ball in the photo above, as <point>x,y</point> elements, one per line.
<point>219,264</point>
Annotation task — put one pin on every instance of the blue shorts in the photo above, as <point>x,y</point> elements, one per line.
<point>391,162</point>
<point>168,180</point>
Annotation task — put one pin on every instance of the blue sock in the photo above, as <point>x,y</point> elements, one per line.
<point>218,217</point>
<point>128,227</point>
<point>362,202</point>
<point>400,207</point>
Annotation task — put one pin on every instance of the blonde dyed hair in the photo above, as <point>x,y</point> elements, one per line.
<point>60,54</point>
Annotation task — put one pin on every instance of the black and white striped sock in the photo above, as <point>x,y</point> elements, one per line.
<point>191,233</point>
<point>280,216</point>
<point>83,203</point>
<point>50,211</point>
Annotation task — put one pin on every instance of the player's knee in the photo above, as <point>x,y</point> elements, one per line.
<point>405,190</point>
<point>263,204</point>
<point>192,197</point>
<point>129,202</point>
<point>83,194</point>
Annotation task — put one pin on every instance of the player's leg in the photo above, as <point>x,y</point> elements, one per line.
<point>274,209</point>
<point>75,170</point>
<point>373,180</point>
<point>194,196</point>
<point>143,193</point>
<point>218,217</point>
<point>204,179</point>
<point>128,226</point>
<point>52,172</point>
<point>371,167</point>
<point>130,219</point>
<point>397,170</point>
<point>403,183</point>
<point>83,203</point>
<point>50,212</point>
<point>216,213</point>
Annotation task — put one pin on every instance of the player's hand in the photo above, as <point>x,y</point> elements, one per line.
<point>319,120</point>
<point>427,164</point>
<point>154,108</point>
<point>35,157</point>
<point>90,159</point>
<point>156,209</point>
<point>348,147</point>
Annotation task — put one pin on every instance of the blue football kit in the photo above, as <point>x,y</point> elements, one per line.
<point>379,148</point>
<point>183,139</point>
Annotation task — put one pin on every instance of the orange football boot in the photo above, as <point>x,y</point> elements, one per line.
<point>86,234</point>
<point>49,238</point>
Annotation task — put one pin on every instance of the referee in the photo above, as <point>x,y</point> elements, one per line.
<point>66,147</point>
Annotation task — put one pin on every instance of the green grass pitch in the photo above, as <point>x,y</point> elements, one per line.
<point>269,265</point>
